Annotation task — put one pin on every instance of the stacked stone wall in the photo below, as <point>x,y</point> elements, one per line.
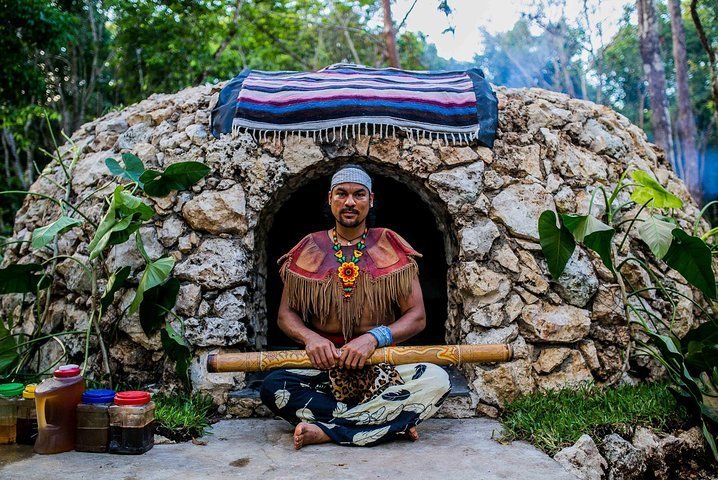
<point>551,153</point>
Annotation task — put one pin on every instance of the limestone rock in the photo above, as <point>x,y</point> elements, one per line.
<point>126,254</point>
<point>503,382</point>
<point>77,279</point>
<point>492,315</point>
<point>574,162</point>
<point>493,336</point>
<point>583,459</point>
<point>90,170</point>
<point>572,373</point>
<point>476,240</point>
<point>137,133</point>
<point>607,305</point>
<point>549,323</point>
<point>578,282</point>
<point>625,461</point>
<point>600,140</point>
<point>521,161</point>
<point>457,155</point>
<point>188,299</point>
<point>218,263</point>
<point>420,160</point>
<point>215,331</point>
<point>301,153</point>
<point>218,212</point>
<point>507,259</point>
<point>519,207</point>
<point>481,285</point>
<point>216,384</point>
<point>231,305</point>
<point>172,228</point>
<point>459,185</point>
<point>550,358</point>
<point>117,125</point>
<point>196,133</point>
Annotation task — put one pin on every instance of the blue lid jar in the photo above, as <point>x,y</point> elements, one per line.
<point>98,396</point>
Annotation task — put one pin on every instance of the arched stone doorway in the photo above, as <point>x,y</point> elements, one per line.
<point>397,207</point>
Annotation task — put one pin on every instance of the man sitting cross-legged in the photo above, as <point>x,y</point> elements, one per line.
<point>341,288</point>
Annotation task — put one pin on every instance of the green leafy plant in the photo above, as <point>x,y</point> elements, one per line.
<point>126,212</point>
<point>691,364</point>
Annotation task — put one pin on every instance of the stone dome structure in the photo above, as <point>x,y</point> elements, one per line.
<point>473,211</point>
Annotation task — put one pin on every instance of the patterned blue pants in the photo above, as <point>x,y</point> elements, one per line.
<point>304,395</point>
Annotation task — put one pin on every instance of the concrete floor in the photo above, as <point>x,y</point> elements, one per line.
<point>260,448</point>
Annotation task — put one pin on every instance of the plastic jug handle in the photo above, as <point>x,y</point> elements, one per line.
<point>40,409</point>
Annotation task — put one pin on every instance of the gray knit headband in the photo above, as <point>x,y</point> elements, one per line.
<point>351,175</point>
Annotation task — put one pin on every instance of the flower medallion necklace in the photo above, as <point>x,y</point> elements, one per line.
<point>348,271</point>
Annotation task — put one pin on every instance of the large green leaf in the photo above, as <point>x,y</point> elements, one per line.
<point>114,283</point>
<point>557,243</point>
<point>178,176</point>
<point>156,303</point>
<point>44,235</point>
<point>652,193</point>
<point>22,278</point>
<point>657,233</point>
<point>701,347</point>
<point>177,349</point>
<point>132,170</point>
<point>124,216</point>
<point>155,273</point>
<point>600,242</point>
<point>99,243</point>
<point>130,205</point>
<point>691,257</point>
<point>593,233</point>
<point>8,348</point>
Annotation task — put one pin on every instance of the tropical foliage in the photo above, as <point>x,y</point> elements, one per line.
<point>155,294</point>
<point>691,363</point>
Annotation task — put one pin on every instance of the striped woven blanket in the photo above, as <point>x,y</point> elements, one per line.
<point>345,100</point>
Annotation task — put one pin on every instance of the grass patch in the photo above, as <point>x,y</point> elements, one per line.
<point>181,416</point>
<point>553,420</point>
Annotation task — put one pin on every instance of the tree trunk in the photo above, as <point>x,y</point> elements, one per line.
<point>711,57</point>
<point>390,35</point>
<point>686,123</point>
<point>655,73</point>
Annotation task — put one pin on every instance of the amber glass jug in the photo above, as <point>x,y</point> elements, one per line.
<point>56,401</point>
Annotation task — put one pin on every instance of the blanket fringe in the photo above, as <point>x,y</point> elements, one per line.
<point>321,298</point>
<point>347,131</point>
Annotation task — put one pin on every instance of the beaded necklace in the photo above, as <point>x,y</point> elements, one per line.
<point>348,271</point>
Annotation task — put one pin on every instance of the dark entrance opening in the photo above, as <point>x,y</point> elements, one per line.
<point>396,206</point>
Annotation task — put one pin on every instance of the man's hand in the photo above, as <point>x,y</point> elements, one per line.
<point>322,352</point>
<point>355,353</point>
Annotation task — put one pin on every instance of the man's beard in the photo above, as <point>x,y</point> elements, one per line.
<point>349,223</point>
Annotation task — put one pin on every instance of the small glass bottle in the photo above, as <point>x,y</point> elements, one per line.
<point>27,417</point>
<point>9,398</point>
<point>93,421</point>
<point>132,423</point>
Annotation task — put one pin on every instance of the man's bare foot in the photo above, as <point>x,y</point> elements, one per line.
<point>413,434</point>
<point>308,434</point>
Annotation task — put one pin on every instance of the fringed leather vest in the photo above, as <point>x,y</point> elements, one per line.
<point>386,272</point>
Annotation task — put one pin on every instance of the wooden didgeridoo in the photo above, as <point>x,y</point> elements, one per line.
<point>438,354</point>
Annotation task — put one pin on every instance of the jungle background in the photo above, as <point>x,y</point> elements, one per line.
<point>66,62</point>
